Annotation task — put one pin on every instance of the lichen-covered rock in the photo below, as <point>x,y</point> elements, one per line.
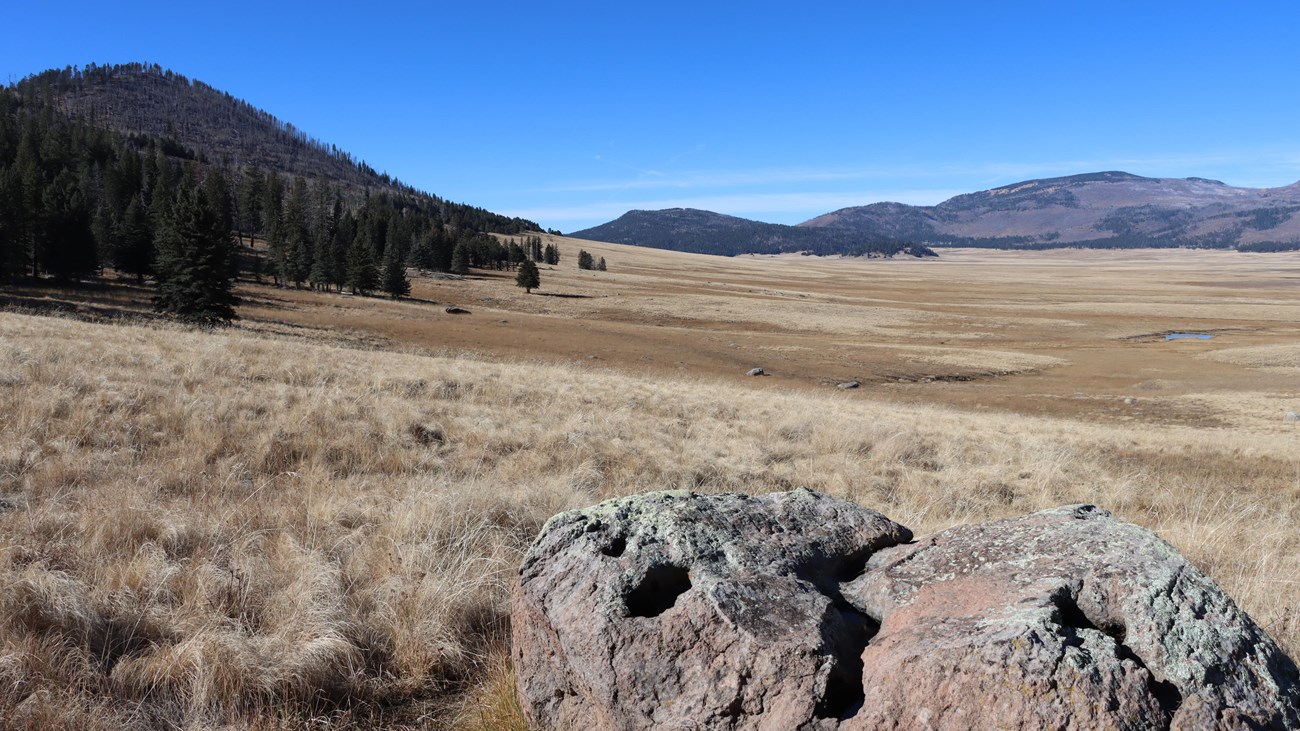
<point>677,610</point>
<point>1066,618</point>
<point>799,611</point>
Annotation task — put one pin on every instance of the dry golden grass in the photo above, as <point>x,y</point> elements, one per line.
<point>235,529</point>
<point>1284,357</point>
<point>313,519</point>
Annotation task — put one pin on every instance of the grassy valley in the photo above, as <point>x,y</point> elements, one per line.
<point>314,517</point>
<point>311,516</point>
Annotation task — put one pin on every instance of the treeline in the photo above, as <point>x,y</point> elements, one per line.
<point>1269,247</point>
<point>76,198</point>
<point>587,261</point>
<point>484,251</point>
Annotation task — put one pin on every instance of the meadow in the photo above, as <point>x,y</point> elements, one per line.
<point>313,519</point>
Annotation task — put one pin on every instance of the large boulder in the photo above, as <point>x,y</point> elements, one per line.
<point>1067,618</point>
<point>676,610</point>
<point>799,611</point>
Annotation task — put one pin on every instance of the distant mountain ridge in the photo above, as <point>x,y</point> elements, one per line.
<point>1106,209</point>
<point>1110,209</point>
<point>705,232</point>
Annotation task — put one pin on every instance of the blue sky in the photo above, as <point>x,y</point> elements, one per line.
<point>571,113</point>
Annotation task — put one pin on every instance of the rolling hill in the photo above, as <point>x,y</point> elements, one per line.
<point>705,232</point>
<point>1107,209</point>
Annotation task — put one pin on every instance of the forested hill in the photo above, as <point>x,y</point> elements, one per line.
<point>187,117</point>
<point>705,232</point>
<point>90,189</point>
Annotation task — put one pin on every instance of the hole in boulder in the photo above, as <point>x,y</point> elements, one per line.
<point>1073,617</point>
<point>1167,695</point>
<point>616,547</point>
<point>658,590</point>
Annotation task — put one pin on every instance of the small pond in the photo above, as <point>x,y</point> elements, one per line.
<point>1188,336</point>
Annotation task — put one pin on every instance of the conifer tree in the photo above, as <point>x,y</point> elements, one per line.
<point>460,258</point>
<point>272,210</point>
<point>340,248</point>
<point>30,196</point>
<point>11,258</point>
<point>162,192</point>
<point>362,277</point>
<point>424,254</point>
<point>395,282</point>
<point>133,249</point>
<point>515,254</point>
<point>297,260</point>
<point>216,191</point>
<point>584,259</point>
<point>320,276</point>
<point>194,263</point>
<point>600,265</point>
<point>68,249</point>
<point>328,214</point>
<point>249,201</point>
<point>528,276</point>
<point>397,234</point>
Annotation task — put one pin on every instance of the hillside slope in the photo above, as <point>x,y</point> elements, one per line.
<point>1107,209</point>
<point>190,116</point>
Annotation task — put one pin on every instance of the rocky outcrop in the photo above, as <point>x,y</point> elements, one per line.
<point>799,611</point>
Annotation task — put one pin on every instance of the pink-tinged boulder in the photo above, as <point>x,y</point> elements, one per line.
<point>799,611</point>
<point>1063,619</point>
<point>674,610</point>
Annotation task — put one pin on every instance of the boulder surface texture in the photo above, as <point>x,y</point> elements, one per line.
<point>795,610</point>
